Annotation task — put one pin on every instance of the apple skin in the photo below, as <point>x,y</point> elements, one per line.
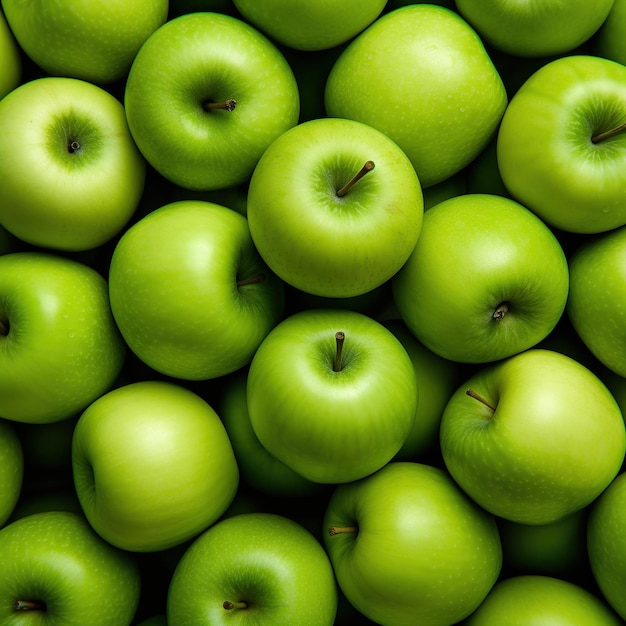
<point>331,426</point>
<point>268,561</point>
<point>379,80</point>
<point>56,196</point>
<point>535,29</point>
<point>180,264</point>
<point>477,253</point>
<point>200,57</point>
<point>546,156</point>
<point>606,543</point>
<point>56,558</point>
<point>423,553</point>
<point>11,469</point>
<point>608,41</point>
<point>62,349</point>
<point>347,245</point>
<point>10,59</point>
<point>153,465</point>
<point>530,461</point>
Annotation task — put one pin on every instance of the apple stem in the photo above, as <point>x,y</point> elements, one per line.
<point>227,105</point>
<point>258,278</point>
<point>29,605</point>
<point>340,530</point>
<point>339,339</point>
<point>608,134</point>
<point>368,167</point>
<point>472,394</point>
<point>500,311</point>
<point>229,606</point>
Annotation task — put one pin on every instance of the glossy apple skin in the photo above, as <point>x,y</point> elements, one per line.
<point>266,560</point>
<point>174,295</point>
<point>546,156</point>
<point>56,198</point>
<point>531,599</point>
<point>347,245</point>
<point>476,252</point>
<point>63,349</point>
<point>10,59</point>
<point>606,543</point>
<point>206,56</point>
<point>424,553</point>
<point>11,469</point>
<point>331,426</point>
<point>57,558</point>
<point>153,465</point>
<point>531,460</point>
<point>379,79</point>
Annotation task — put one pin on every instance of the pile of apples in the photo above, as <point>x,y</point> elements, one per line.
<point>312,312</point>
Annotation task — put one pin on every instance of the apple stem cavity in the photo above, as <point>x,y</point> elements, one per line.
<point>227,105</point>
<point>229,606</point>
<point>258,278</point>
<point>472,394</point>
<point>501,310</point>
<point>29,605</point>
<point>342,530</point>
<point>608,134</point>
<point>368,167</point>
<point>339,339</point>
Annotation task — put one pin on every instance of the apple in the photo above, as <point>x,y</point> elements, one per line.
<point>559,148</point>
<point>608,42</point>
<point>533,599</point>
<point>72,175</point>
<point>533,438</point>
<point>310,24</point>
<point>421,75</point>
<point>487,279</point>
<point>606,543</point>
<point>408,547</point>
<point>10,59</point>
<point>56,570</point>
<point>349,197</point>
<point>332,394</point>
<point>189,292</point>
<point>61,347</point>
<point>206,95</point>
<point>535,29</point>
<point>11,469</point>
<point>153,465</point>
<point>254,568</point>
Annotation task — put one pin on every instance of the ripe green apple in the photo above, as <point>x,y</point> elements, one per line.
<point>10,59</point>
<point>205,96</point>
<point>608,41</point>
<point>606,543</point>
<point>421,75</point>
<point>560,149</point>
<point>310,24</point>
<point>535,29</point>
<point>332,394</point>
<point>61,348</point>
<point>72,175</point>
<point>533,438</point>
<point>11,469</point>
<point>319,226</point>
<point>408,547</point>
<point>153,465</point>
<point>56,570</point>
<point>597,288</point>
<point>189,292</point>
<point>532,599</point>
<point>253,568</point>
<point>487,279</point>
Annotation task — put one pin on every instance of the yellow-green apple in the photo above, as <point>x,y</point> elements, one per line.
<point>10,59</point>
<point>11,469</point>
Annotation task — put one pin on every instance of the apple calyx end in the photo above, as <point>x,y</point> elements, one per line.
<point>73,146</point>
<point>340,337</point>
<point>342,530</point>
<point>229,606</point>
<point>473,394</point>
<point>367,167</point>
<point>29,605</point>
<point>227,105</point>
<point>500,311</point>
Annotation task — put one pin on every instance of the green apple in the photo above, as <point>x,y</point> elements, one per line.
<point>206,95</point>
<point>72,175</point>
<point>608,41</point>
<point>533,438</point>
<point>335,207</point>
<point>10,59</point>
<point>153,465</point>
<point>61,348</point>
<point>11,469</point>
<point>408,547</point>
<point>597,287</point>
<point>535,29</point>
<point>532,599</point>
<point>560,149</point>
<point>606,543</point>
<point>94,40</point>
<point>421,75</point>
<point>253,568</point>
<point>189,292</point>
<point>56,570</point>
<point>310,24</point>
<point>486,280</point>
<point>332,394</point>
